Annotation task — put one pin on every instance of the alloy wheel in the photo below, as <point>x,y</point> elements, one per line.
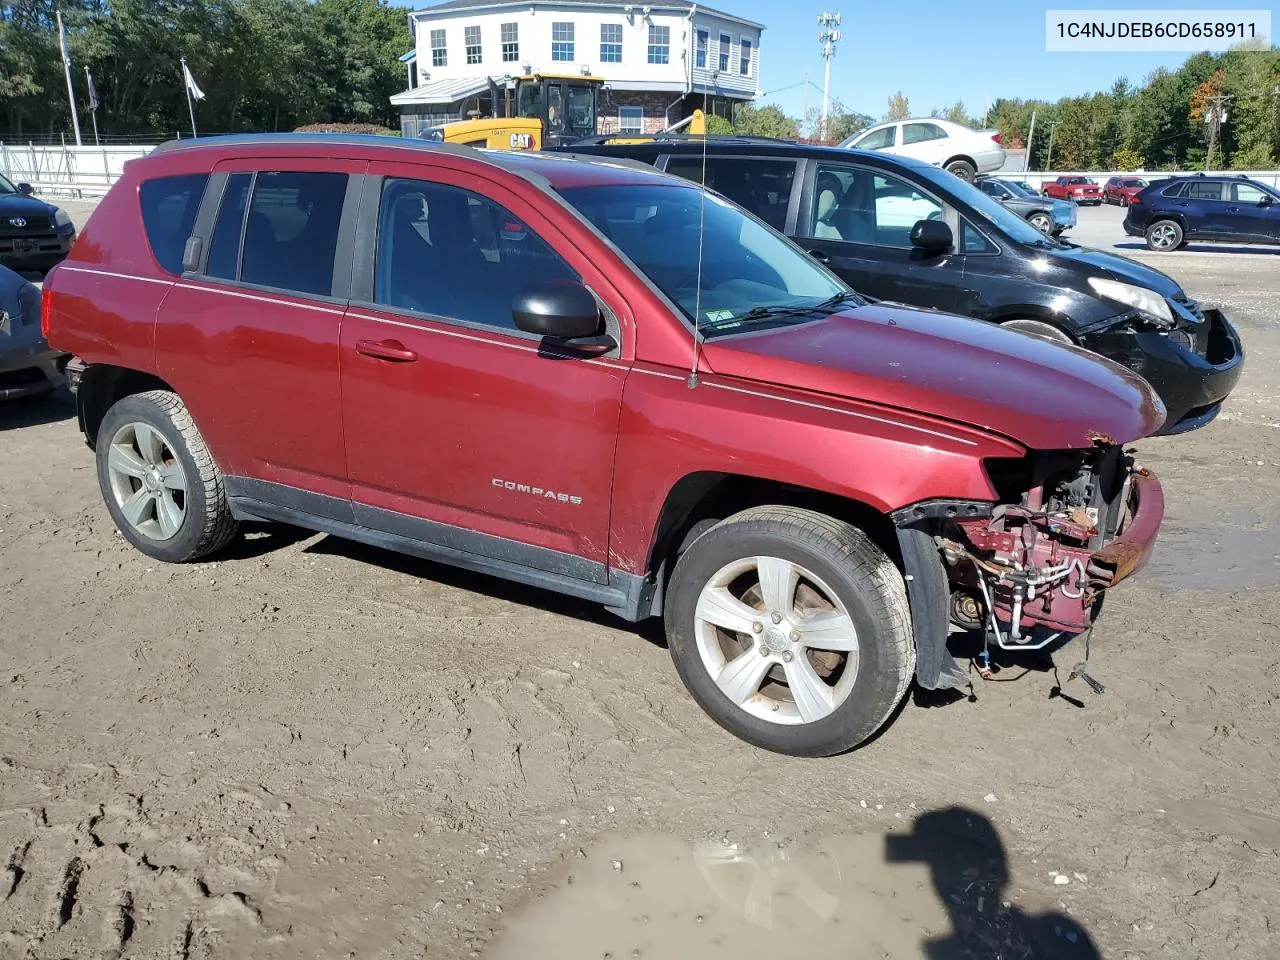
<point>1041,222</point>
<point>1164,236</point>
<point>147,480</point>
<point>776,640</point>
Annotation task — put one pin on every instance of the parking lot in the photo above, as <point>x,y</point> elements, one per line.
<point>309,748</point>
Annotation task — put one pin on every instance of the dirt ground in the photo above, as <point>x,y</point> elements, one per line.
<point>311,749</point>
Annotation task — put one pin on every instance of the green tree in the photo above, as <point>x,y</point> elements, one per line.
<point>1126,159</point>
<point>956,113</point>
<point>767,121</point>
<point>899,107</point>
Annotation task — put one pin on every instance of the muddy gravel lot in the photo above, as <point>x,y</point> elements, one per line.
<point>311,749</point>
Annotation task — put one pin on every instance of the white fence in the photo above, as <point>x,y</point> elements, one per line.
<point>66,170</point>
<point>89,171</point>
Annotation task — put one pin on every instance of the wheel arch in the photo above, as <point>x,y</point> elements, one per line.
<point>1041,314</point>
<point>699,500</point>
<point>103,385</point>
<point>960,156</point>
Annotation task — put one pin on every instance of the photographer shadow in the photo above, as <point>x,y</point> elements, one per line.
<point>970,872</point>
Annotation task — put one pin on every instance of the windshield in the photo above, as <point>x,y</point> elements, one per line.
<point>6,187</point>
<point>1009,223</point>
<point>746,267</point>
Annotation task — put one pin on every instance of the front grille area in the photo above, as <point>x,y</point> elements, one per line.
<point>1196,339</point>
<point>35,225</point>
<point>1192,306</point>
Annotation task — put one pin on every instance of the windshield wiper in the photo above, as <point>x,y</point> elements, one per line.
<point>781,310</point>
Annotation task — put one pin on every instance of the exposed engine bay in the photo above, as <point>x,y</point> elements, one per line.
<point>1035,568</point>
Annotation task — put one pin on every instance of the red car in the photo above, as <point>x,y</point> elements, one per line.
<point>1080,189</point>
<point>1122,190</point>
<point>509,363</point>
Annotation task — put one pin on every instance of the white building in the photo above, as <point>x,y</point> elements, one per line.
<point>659,61</point>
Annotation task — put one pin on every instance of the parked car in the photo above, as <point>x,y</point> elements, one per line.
<point>952,146</point>
<point>514,364</point>
<point>1048,216</point>
<point>981,260</point>
<point>1172,213</point>
<point>34,235</point>
<point>1122,190</point>
<point>28,366</point>
<point>1080,189</point>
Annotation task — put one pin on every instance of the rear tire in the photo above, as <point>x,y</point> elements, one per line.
<point>1164,236</point>
<point>963,169</point>
<point>159,481</point>
<point>791,629</point>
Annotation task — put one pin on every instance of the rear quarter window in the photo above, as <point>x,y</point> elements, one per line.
<point>169,206</point>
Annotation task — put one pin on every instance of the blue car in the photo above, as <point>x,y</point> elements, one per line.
<point>1169,214</point>
<point>28,365</point>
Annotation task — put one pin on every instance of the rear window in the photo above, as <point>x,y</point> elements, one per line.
<point>169,206</point>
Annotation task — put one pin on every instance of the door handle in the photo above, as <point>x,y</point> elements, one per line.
<point>392,350</point>
<point>819,256</point>
<point>1233,209</point>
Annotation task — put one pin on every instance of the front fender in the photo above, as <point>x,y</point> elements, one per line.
<point>882,458</point>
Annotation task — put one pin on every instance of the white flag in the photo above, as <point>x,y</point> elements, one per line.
<point>191,82</point>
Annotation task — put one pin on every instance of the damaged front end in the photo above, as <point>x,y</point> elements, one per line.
<point>1029,569</point>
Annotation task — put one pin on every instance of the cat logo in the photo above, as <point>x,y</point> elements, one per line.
<point>522,141</point>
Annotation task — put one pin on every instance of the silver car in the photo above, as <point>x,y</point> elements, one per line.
<point>28,365</point>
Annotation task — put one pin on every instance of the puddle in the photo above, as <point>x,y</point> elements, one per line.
<point>937,890</point>
<point>1219,557</point>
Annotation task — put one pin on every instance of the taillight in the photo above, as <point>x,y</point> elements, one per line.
<point>46,310</point>
<point>997,138</point>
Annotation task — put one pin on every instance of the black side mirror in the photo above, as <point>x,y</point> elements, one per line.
<point>564,312</point>
<point>1267,200</point>
<point>26,190</point>
<point>932,236</point>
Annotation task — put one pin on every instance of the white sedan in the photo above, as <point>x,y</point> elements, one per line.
<point>954,147</point>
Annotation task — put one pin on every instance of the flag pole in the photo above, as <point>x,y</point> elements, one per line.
<point>66,68</point>
<point>190,107</point>
<point>93,105</point>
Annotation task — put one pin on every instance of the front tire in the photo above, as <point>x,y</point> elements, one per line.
<point>1042,222</point>
<point>1038,328</point>
<point>159,481</point>
<point>791,629</point>
<point>1164,236</point>
<point>963,169</point>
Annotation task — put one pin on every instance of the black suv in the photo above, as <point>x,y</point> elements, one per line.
<point>34,235</point>
<point>903,230</point>
<point>1170,214</point>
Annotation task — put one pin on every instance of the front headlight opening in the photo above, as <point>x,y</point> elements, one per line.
<point>1147,302</point>
<point>61,218</point>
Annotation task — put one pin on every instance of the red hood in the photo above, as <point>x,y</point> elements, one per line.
<point>1045,395</point>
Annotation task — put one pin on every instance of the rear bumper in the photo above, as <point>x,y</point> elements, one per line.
<point>1192,387</point>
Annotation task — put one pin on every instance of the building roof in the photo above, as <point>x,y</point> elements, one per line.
<point>682,6</point>
<point>443,91</point>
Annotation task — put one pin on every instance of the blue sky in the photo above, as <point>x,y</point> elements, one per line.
<point>938,51</point>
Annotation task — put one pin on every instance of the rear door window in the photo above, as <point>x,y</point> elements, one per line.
<point>288,236</point>
<point>1211,190</point>
<point>920,132</point>
<point>169,206</point>
<point>761,186</point>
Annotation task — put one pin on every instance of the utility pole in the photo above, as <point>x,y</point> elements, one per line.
<point>1048,162</point>
<point>804,115</point>
<point>1215,115</point>
<point>828,36</point>
<point>66,67</point>
<point>1031,139</point>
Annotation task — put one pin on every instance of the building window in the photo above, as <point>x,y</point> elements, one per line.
<point>510,42</point>
<point>726,47</point>
<point>439,55</point>
<point>610,43</point>
<point>561,41</point>
<point>700,54</point>
<point>745,59</point>
<point>471,38</point>
<point>659,44</point>
<point>631,119</point>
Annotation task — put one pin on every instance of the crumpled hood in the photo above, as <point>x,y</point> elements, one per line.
<point>1045,395</point>
<point>1120,268</point>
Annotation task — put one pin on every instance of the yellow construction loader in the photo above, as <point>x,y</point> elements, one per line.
<point>548,110</point>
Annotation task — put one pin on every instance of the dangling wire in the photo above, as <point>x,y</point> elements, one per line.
<point>697,296</point>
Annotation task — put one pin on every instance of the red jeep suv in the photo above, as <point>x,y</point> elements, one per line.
<point>598,379</point>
